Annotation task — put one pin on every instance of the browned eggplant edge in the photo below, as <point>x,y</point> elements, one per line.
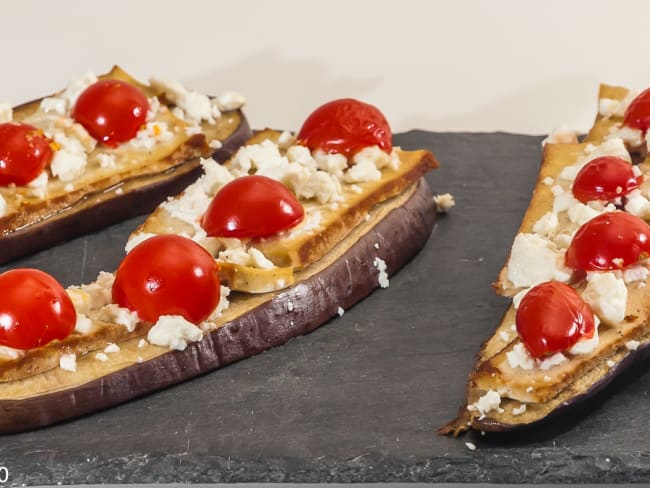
<point>111,207</point>
<point>350,278</point>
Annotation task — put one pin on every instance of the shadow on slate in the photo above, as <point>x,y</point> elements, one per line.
<point>361,398</point>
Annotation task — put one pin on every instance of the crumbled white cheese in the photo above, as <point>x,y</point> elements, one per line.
<point>530,389</point>
<point>3,206</point>
<point>504,336</point>
<point>259,260</point>
<point>93,295</point>
<point>554,360</point>
<point>198,107</point>
<point>610,147</point>
<point>69,161</point>
<point>561,135</point>
<point>637,204</point>
<point>142,343</point>
<point>289,306</point>
<point>610,363</point>
<point>488,402</point>
<point>106,160</point>
<point>629,135</point>
<point>215,144</point>
<point>380,264</point>
<point>607,295</point>
<point>632,345</point>
<point>519,357</point>
<point>301,155</point>
<point>76,87</point>
<point>444,202</point>
<point>471,446</point>
<point>120,315</point>
<point>54,104</point>
<point>286,139</point>
<point>546,225</point>
<point>189,103</point>
<point>230,100</point>
<point>581,213</point>
<point>548,181</point>
<point>340,311</point>
<point>174,332</point>
<point>608,107</point>
<point>586,346</point>
<point>111,347</point>
<point>100,356</point>
<point>533,261</point>
<point>563,200</point>
<point>39,185</point>
<point>83,324</point>
<point>68,187</point>
<point>519,410</point>
<point>635,272</point>
<point>68,362</point>
<point>363,170</point>
<point>333,164</point>
<point>6,113</point>
<point>150,135</point>
<point>10,352</point>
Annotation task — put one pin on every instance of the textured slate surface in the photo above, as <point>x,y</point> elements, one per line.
<point>359,399</point>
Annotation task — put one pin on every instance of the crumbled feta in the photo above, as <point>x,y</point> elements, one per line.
<point>530,389</point>
<point>230,100</point>
<point>286,139</point>
<point>581,213</point>
<point>632,345</point>
<point>608,107</point>
<point>444,202</point>
<point>637,204</point>
<point>100,356</point>
<point>520,410</point>
<point>39,185</point>
<point>6,113</point>
<point>488,402</point>
<point>111,347</point>
<point>586,346</point>
<point>380,264</point>
<point>340,311</point>
<point>504,336</point>
<point>470,446</point>
<point>259,260</point>
<point>562,200</point>
<point>548,181</point>
<point>10,352</point>
<point>607,295</point>
<point>561,135</point>
<point>68,362</point>
<point>215,144</point>
<point>519,357</point>
<point>106,160</point>
<point>76,87</point>
<point>151,134</point>
<point>635,272</point>
<point>554,360</point>
<point>289,306</point>
<point>53,104</point>
<point>363,170</point>
<point>83,324</point>
<point>630,135</point>
<point>174,332</point>
<point>333,163</point>
<point>198,107</point>
<point>120,315</point>
<point>546,225</point>
<point>93,295</point>
<point>69,161</point>
<point>142,343</point>
<point>610,147</point>
<point>533,261</point>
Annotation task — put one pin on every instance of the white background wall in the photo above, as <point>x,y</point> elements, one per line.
<point>520,66</point>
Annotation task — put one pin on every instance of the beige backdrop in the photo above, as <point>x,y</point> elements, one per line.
<point>520,66</point>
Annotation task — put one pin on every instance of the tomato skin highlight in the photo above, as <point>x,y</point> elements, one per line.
<point>112,111</point>
<point>24,153</point>
<point>168,275</point>
<point>605,178</point>
<point>34,310</point>
<point>609,241</point>
<point>252,206</point>
<point>346,126</point>
<point>637,114</point>
<point>551,318</point>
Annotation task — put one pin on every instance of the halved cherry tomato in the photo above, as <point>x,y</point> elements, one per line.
<point>637,114</point>
<point>605,178</point>
<point>252,206</point>
<point>112,111</point>
<point>24,153</point>
<point>612,240</point>
<point>551,318</point>
<point>34,309</point>
<point>168,275</point>
<point>345,126</point>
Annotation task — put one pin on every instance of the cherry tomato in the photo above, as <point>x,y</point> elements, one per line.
<point>637,114</point>
<point>605,178</point>
<point>551,318</point>
<point>168,275</point>
<point>112,111</point>
<point>612,240</point>
<point>24,152</point>
<point>34,310</point>
<point>252,206</point>
<point>345,126</point>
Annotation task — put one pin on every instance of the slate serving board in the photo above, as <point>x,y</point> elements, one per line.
<point>359,399</point>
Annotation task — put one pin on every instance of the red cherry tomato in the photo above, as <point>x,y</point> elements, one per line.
<point>551,318</point>
<point>24,152</point>
<point>112,111</point>
<point>637,114</point>
<point>605,178</point>
<point>345,126</point>
<point>34,310</point>
<point>252,206</point>
<point>168,275</point>
<point>612,240</point>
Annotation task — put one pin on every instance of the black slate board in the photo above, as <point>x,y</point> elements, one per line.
<point>361,398</point>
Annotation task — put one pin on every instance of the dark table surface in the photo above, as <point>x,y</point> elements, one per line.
<point>359,399</point>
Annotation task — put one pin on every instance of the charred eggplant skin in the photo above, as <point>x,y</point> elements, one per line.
<point>403,232</point>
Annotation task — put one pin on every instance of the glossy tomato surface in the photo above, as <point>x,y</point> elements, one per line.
<point>345,126</point>
<point>637,114</point>
<point>612,240</point>
<point>24,153</point>
<point>605,178</point>
<point>112,111</point>
<point>34,309</point>
<point>551,318</point>
<point>252,206</point>
<point>168,275</point>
